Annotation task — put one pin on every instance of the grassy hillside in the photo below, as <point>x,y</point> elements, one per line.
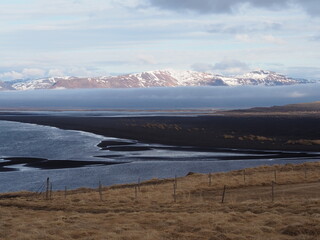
<point>152,211</point>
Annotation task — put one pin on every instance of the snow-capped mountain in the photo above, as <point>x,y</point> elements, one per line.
<point>159,78</point>
<point>268,78</point>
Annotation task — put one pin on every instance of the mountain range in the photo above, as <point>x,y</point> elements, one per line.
<point>159,78</point>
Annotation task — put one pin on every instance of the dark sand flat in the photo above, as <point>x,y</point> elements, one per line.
<point>43,163</point>
<point>242,131</point>
<point>108,143</point>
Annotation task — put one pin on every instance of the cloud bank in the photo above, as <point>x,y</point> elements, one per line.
<point>163,98</point>
<point>225,67</point>
<point>228,6</point>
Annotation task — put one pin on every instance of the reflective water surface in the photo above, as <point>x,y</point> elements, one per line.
<point>124,160</point>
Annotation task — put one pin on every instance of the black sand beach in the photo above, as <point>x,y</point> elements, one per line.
<point>296,132</point>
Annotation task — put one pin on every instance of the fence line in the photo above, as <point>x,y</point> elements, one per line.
<point>47,187</point>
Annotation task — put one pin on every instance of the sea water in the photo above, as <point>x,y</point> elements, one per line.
<point>29,140</point>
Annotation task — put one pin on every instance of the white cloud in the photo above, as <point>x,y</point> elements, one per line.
<point>33,72</point>
<point>244,38</point>
<point>202,67</point>
<point>80,72</point>
<point>273,40</point>
<point>259,38</point>
<point>231,67</point>
<point>56,73</point>
<point>11,75</point>
<point>297,94</point>
<point>147,59</point>
<point>61,7</point>
<point>225,67</point>
<point>25,73</point>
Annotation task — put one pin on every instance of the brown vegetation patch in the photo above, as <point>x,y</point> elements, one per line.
<point>149,211</point>
<point>250,138</point>
<point>304,142</point>
<point>312,229</point>
<point>227,136</point>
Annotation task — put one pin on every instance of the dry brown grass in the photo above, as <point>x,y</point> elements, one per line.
<point>248,211</point>
<point>304,142</point>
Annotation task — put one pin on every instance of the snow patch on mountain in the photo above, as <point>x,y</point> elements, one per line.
<point>257,74</point>
<point>34,84</point>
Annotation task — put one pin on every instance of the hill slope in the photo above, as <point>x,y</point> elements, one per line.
<point>150,212</point>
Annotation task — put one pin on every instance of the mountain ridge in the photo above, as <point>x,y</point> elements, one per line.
<point>157,78</point>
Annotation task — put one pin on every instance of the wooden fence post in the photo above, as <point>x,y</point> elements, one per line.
<point>139,184</point>
<point>272,190</point>
<point>175,181</point>
<point>47,189</point>
<point>50,196</point>
<point>210,179</point>
<point>100,190</point>
<point>65,192</point>
<point>244,176</point>
<point>135,192</point>
<point>174,192</point>
<point>223,194</point>
<point>305,172</point>
<point>275,175</point>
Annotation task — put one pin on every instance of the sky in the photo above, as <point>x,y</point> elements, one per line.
<point>41,38</point>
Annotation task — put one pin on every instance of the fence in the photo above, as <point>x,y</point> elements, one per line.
<point>260,184</point>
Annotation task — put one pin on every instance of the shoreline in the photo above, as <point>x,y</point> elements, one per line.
<point>156,181</point>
